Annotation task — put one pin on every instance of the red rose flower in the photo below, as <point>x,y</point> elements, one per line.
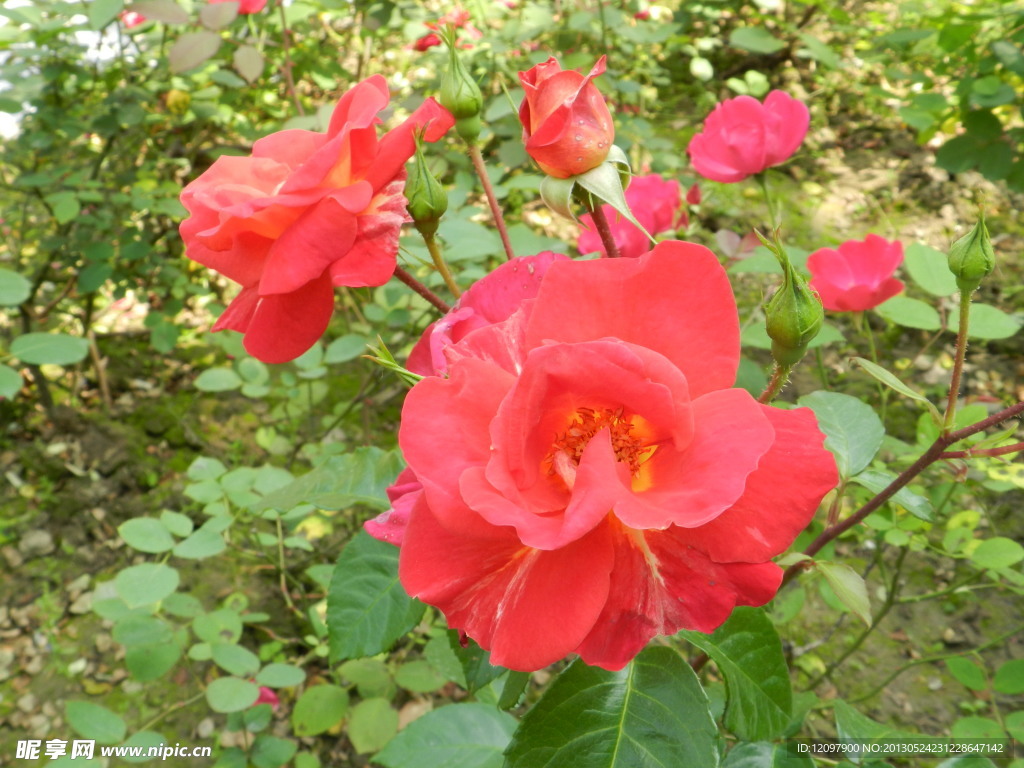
<point>489,300</point>
<point>858,276</point>
<point>305,212</point>
<point>742,136</point>
<point>567,128</point>
<point>390,526</point>
<point>590,478</point>
<point>246,6</point>
<point>132,19</point>
<point>656,204</point>
<point>426,42</point>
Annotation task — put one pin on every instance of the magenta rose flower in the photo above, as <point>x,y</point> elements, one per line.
<point>489,300</point>
<point>742,136</point>
<point>305,212</point>
<point>567,127</point>
<point>654,201</point>
<point>857,276</point>
<point>589,477</point>
<point>245,6</point>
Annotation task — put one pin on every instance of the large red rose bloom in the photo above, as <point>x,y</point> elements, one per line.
<point>305,212</point>
<point>590,478</point>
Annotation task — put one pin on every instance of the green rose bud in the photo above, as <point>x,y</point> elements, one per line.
<point>460,95</point>
<point>793,316</point>
<point>971,258</point>
<point>428,200</point>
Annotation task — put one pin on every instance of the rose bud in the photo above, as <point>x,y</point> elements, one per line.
<point>428,200</point>
<point>971,258</point>
<point>567,127</point>
<point>460,94</point>
<point>793,317</point>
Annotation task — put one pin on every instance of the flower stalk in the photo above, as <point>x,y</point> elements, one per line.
<point>421,289</point>
<point>499,220</point>
<point>603,227</point>
<point>958,362</point>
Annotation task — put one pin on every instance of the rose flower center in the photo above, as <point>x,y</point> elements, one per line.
<point>628,441</point>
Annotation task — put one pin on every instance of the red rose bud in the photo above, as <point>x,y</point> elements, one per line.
<point>971,258</point>
<point>693,195</point>
<point>567,127</point>
<point>460,94</point>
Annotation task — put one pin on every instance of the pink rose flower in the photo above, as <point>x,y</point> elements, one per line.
<point>857,276</point>
<point>489,300</point>
<point>655,202</point>
<point>567,127</point>
<point>742,136</point>
<point>132,19</point>
<point>267,696</point>
<point>390,526</point>
<point>305,212</point>
<point>590,478</point>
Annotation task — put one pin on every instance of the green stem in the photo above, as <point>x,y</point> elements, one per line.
<point>762,180</point>
<point>442,267</point>
<point>499,220</point>
<point>604,230</point>
<point>780,375</point>
<point>958,364</point>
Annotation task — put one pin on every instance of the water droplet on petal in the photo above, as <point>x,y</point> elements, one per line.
<point>579,159</point>
<point>579,137</point>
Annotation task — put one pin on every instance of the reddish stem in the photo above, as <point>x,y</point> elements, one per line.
<point>421,289</point>
<point>499,220</point>
<point>933,454</point>
<point>605,231</point>
<point>969,454</point>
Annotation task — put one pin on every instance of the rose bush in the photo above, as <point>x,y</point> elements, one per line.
<point>742,136</point>
<point>567,128</point>
<point>858,275</point>
<point>305,212</point>
<point>587,476</point>
<point>656,203</point>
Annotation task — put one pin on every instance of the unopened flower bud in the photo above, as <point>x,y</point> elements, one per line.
<point>971,258</point>
<point>461,96</point>
<point>793,318</point>
<point>428,200</point>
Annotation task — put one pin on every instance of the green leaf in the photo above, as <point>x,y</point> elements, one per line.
<point>910,313</point>
<point>220,626</point>
<point>997,552</point>
<point>49,348</point>
<point>270,751</point>
<point>218,380</point>
<point>967,673</point>
<point>235,660</point>
<point>892,382</point>
<point>248,62</point>
<point>929,268</point>
<point>217,15</point>
<point>605,183</point>
<point>877,480</point>
<point>849,587</point>
<point>151,662</point>
<point>851,724</point>
<point>475,662</point>
<point>142,630</point>
<point>14,288</point>
<point>419,677</point>
<point>205,468</point>
<point>359,477</point>
<point>231,694</point>
<point>202,543</point>
<point>347,347</point>
<point>1009,678</point>
<point>65,205</point>
<point>146,534</point>
<point>475,735</point>
<point>820,51</point>
<point>91,721</point>
<point>280,676</point>
<point>367,608</point>
<point>853,432</point>
<point>755,40</point>
<point>372,724</point>
<point>143,739</point>
<point>652,713</point>
<point>319,708</point>
<point>102,12</point>
<point>10,382</point>
<point>749,654</point>
<point>764,755</point>
<point>192,49</point>
<point>146,584</point>
<point>987,322</point>
<point>176,523</point>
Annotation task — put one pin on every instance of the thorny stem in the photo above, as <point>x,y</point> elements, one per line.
<point>780,375</point>
<point>930,456</point>
<point>499,220</point>
<point>604,230</point>
<point>1006,449</point>
<point>421,289</point>
<point>958,365</point>
<point>762,180</point>
<point>442,267</point>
